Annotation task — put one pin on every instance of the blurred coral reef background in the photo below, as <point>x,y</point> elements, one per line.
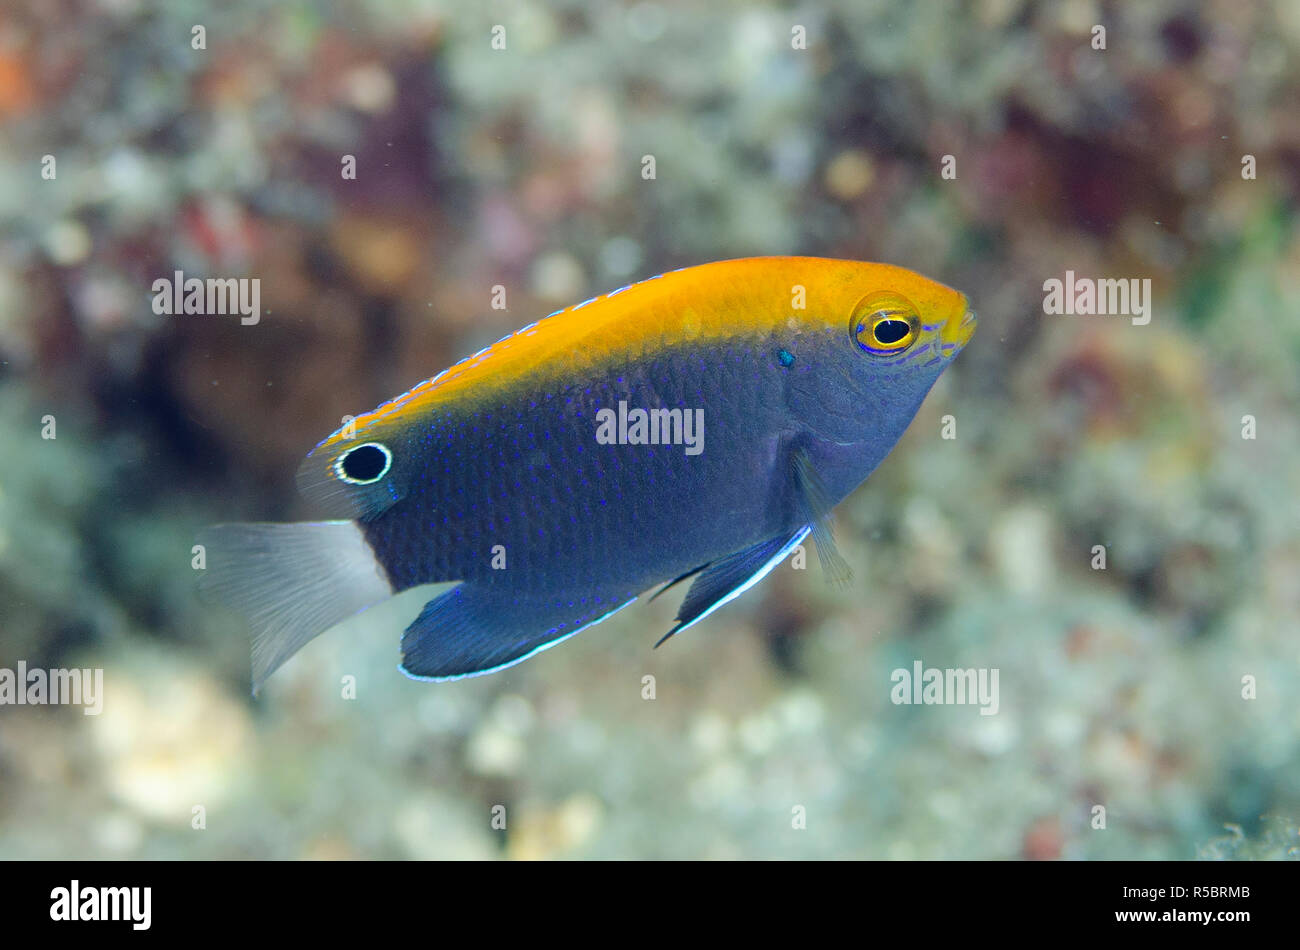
<point>522,167</point>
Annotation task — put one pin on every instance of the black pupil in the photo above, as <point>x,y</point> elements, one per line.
<point>891,331</point>
<point>364,463</point>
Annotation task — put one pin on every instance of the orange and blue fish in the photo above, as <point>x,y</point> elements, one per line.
<point>696,425</point>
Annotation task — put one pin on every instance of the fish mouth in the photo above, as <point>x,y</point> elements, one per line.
<point>958,329</point>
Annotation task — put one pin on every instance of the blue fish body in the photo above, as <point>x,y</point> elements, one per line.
<point>693,426</point>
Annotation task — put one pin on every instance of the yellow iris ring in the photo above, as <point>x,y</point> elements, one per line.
<point>876,310</point>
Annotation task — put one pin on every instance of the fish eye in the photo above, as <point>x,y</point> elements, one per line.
<point>884,324</point>
<point>365,464</point>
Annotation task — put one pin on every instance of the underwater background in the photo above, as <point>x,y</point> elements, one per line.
<point>1162,688</point>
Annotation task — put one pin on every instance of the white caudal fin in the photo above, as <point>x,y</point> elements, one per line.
<point>291,581</point>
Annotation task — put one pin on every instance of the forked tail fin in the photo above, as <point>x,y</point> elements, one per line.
<point>291,581</point>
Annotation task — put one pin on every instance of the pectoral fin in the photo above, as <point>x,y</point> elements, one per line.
<point>815,505</point>
<point>727,578</point>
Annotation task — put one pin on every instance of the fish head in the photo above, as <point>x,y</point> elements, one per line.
<point>885,338</point>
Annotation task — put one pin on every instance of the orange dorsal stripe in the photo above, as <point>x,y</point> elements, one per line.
<point>745,297</point>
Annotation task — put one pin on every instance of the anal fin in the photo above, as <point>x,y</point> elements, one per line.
<point>475,629</point>
<point>727,578</point>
